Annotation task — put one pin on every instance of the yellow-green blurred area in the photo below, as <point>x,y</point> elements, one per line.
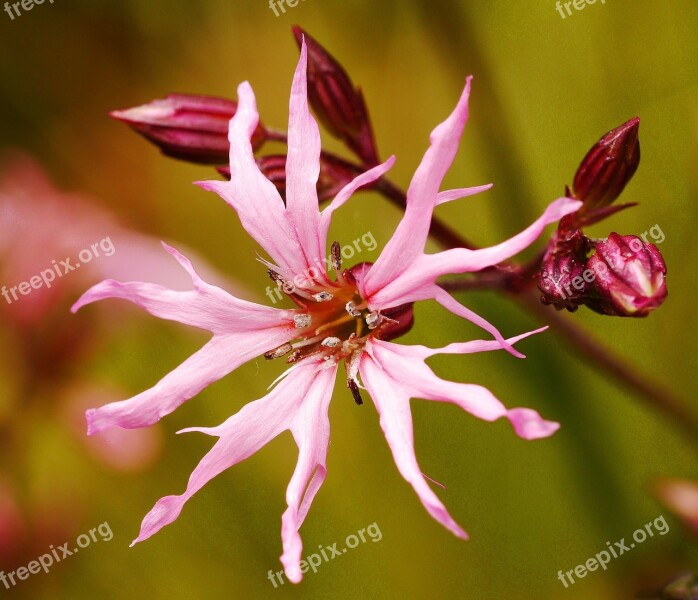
<point>545,89</point>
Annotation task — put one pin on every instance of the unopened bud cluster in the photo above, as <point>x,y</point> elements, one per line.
<point>624,276</point>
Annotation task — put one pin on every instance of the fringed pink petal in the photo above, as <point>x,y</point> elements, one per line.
<point>462,260</point>
<point>243,434</point>
<point>451,304</point>
<point>529,425</point>
<point>222,355</point>
<point>303,167</point>
<point>416,283</point>
<point>419,352</point>
<point>311,430</point>
<point>393,406</point>
<point>405,364</point>
<point>252,195</point>
<point>449,195</point>
<point>419,381</point>
<point>407,244</point>
<point>205,307</point>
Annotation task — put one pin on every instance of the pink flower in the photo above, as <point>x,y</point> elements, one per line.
<point>680,496</point>
<point>124,450</point>
<point>347,318</point>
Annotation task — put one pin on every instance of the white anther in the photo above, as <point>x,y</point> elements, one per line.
<point>278,352</point>
<point>373,319</point>
<point>351,309</point>
<point>322,297</point>
<point>302,320</point>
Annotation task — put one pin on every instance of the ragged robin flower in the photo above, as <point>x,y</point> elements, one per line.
<point>345,316</point>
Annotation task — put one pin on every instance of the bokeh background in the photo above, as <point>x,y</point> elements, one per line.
<point>545,89</point>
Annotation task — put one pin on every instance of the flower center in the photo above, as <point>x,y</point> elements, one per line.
<point>334,321</point>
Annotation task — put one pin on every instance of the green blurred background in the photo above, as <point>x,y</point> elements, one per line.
<point>545,89</point>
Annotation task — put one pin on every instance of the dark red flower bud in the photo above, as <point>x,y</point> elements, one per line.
<point>561,279</point>
<point>338,104</point>
<point>191,128</point>
<point>274,169</point>
<point>630,277</point>
<point>608,167</point>
<point>335,173</point>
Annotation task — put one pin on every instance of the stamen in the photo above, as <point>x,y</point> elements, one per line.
<point>349,276</point>
<point>308,341</point>
<point>336,257</point>
<point>349,344</point>
<point>331,342</point>
<point>302,320</point>
<point>286,287</point>
<point>373,319</point>
<point>322,297</point>
<point>352,310</point>
<point>305,353</point>
<point>352,364</point>
<point>276,277</point>
<point>294,356</point>
<point>331,324</point>
<point>278,352</point>
<point>354,388</point>
<point>302,293</point>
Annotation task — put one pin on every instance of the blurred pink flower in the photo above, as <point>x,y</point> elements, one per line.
<point>680,496</point>
<point>126,450</point>
<point>349,319</point>
<point>40,226</point>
